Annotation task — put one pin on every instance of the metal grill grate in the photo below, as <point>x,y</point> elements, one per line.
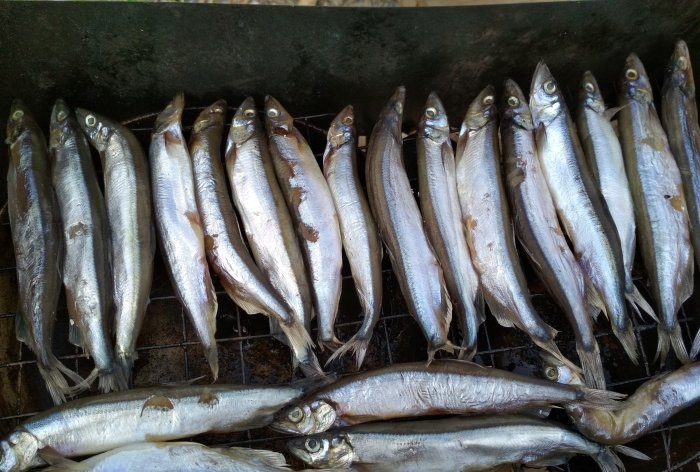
<point>170,352</point>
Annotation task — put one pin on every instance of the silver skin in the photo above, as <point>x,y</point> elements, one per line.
<point>647,409</point>
<point>311,204</point>
<point>679,115</point>
<point>36,236</point>
<point>180,227</point>
<point>177,457</point>
<point>413,389</point>
<point>604,156</point>
<point>454,444</point>
<point>580,205</point>
<point>264,215</point>
<point>401,228</point>
<point>538,229</point>
<point>489,227</point>
<point>361,242</point>
<point>86,271</point>
<point>131,233</point>
<point>659,204</point>
<point>439,204</point>
<point>226,251</point>
<point>101,423</point>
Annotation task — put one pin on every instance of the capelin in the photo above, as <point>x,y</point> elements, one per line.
<point>680,70</point>
<point>278,120</point>
<point>634,81</point>
<point>589,93</point>
<point>332,450</point>
<point>213,115</point>
<point>391,117</point>
<point>244,122</point>
<point>481,111</point>
<point>95,128</point>
<point>342,129</point>
<point>313,418</point>
<point>19,452</point>
<point>172,114</point>
<point>514,105</point>
<point>546,102</point>
<point>60,116</point>
<point>20,118</point>
<point>556,371</point>
<point>433,122</point>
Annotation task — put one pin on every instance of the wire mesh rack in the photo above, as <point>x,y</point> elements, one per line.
<point>169,352</point>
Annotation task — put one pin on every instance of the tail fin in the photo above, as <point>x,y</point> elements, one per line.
<point>332,345</point>
<point>55,383</point>
<point>357,345</point>
<point>601,398</point>
<point>608,461</point>
<point>112,380</point>
<point>637,301</point>
<point>298,339</point>
<point>628,341</point>
<point>448,347</point>
<point>670,339</point>
<point>592,366</point>
<point>212,355</point>
<point>696,346</point>
<point>126,363</point>
<point>552,348</point>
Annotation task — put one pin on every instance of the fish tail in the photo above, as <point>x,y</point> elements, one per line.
<point>628,341</point>
<point>671,338</point>
<point>592,366</point>
<point>126,363</point>
<point>552,348</point>
<point>629,452</point>
<point>112,379</point>
<point>332,345</point>
<point>55,382</point>
<point>299,341</point>
<point>608,460</point>
<point>696,346</point>
<point>637,302</point>
<point>447,347</point>
<point>600,398</point>
<point>212,354</point>
<point>358,345</point>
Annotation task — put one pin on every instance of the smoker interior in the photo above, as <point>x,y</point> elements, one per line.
<point>127,60</point>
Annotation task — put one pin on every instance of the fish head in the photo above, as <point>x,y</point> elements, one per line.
<point>307,418</point>
<point>18,451</point>
<point>634,82</point>
<point>277,119</point>
<point>213,115</point>
<point>680,71</point>
<point>546,100</point>
<point>433,122</point>
<point>589,93</point>
<point>557,371</point>
<point>97,128</point>
<point>60,116</point>
<point>391,116</point>
<point>332,450</point>
<point>20,119</point>
<point>171,115</point>
<point>244,122</point>
<point>514,105</point>
<point>481,110</point>
<point>342,129</point>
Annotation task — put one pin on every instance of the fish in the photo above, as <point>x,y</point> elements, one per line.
<point>401,228</point>
<point>580,206</point>
<point>92,425</point>
<point>538,230</point>
<point>313,212</point>
<point>86,270</point>
<point>444,387</point>
<point>603,153</point>
<point>488,224</point>
<point>36,236</point>
<point>180,226</point>
<point>464,444</point>
<point>439,204</point>
<point>225,248</point>
<point>265,218</point>
<point>177,457</point>
<point>679,116</point>
<point>361,242</point>
<point>127,194</point>
<point>648,408</point>
<point>659,205</point>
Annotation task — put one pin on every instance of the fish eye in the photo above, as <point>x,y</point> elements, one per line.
<point>312,445</point>
<point>17,114</point>
<point>90,120</point>
<point>682,63</point>
<point>631,74</point>
<point>217,109</point>
<point>550,87</point>
<point>273,113</point>
<point>513,101</point>
<point>296,415</point>
<point>249,113</point>
<point>430,112</point>
<point>552,373</point>
<point>61,115</point>
<point>589,87</point>
<point>399,108</point>
<point>488,100</point>
<point>348,120</point>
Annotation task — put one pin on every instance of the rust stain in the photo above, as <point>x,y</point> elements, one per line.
<point>308,232</point>
<point>210,242</point>
<point>158,403</point>
<point>208,398</point>
<point>297,195</point>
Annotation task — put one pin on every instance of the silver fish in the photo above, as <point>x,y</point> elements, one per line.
<point>86,271</point>
<point>647,409</point>
<point>360,234</point>
<point>604,155</point>
<point>455,444</point>
<point>679,115</point>
<point>659,204</point>
<point>266,220</point>
<point>414,389</point>
<point>401,228</point>
<point>310,202</point>
<point>101,423</point>
<point>580,205</point>
<point>36,236</point>
<point>227,253</point>
<point>180,228</point>
<point>131,232</point>
<point>538,228</point>
<point>488,224</point>
<point>439,204</point>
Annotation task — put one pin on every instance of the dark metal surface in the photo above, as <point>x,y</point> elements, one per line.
<point>169,352</point>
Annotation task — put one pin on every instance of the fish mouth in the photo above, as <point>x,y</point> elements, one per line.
<point>60,111</point>
<point>542,74</point>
